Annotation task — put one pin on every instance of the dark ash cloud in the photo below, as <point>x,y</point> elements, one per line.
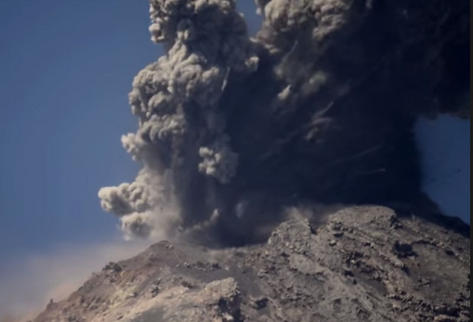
<point>318,108</point>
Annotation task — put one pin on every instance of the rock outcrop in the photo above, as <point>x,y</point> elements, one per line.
<point>360,264</point>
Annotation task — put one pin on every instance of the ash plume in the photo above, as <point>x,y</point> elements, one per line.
<point>319,107</point>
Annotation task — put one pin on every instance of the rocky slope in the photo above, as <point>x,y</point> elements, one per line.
<point>359,264</point>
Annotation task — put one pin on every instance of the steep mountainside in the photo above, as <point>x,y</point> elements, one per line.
<point>359,264</point>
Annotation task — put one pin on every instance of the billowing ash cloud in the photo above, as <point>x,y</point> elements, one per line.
<point>319,107</point>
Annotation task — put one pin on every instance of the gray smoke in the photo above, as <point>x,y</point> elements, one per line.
<point>319,107</point>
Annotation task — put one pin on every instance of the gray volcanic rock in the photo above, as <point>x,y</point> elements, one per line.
<point>359,264</point>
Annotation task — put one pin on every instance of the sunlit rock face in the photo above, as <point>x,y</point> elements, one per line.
<point>352,264</point>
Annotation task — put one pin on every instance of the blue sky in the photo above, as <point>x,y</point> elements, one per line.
<point>66,70</point>
<point>445,155</point>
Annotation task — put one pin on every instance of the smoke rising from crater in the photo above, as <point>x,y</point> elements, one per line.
<point>318,107</point>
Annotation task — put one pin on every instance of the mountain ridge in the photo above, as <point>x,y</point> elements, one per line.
<point>362,263</point>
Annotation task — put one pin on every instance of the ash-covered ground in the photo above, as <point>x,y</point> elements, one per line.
<point>356,264</point>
